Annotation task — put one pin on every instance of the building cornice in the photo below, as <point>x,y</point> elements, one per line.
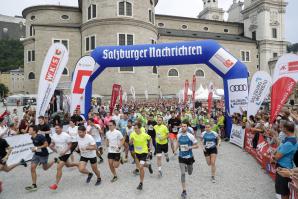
<point>118,21</point>
<point>27,40</point>
<point>264,5</point>
<point>28,10</point>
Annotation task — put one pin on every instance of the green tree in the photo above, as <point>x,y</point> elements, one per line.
<point>3,90</point>
<point>11,54</point>
<point>292,48</point>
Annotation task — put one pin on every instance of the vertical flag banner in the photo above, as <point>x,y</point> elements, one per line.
<point>82,73</point>
<point>146,94</point>
<point>258,91</point>
<point>115,93</point>
<point>194,82</point>
<point>133,93</point>
<point>124,96</point>
<point>238,95</point>
<point>210,96</point>
<point>186,86</point>
<point>285,78</point>
<point>51,72</point>
<point>120,98</point>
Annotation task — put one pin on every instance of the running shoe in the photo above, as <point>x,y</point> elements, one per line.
<point>150,169</point>
<point>56,160</point>
<point>100,161</point>
<point>115,178</point>
<point>133,162</point>
<point>213,179</point>
<point>136,172</point>
<point>125,160</point>
<point>90,175</point>
<point>23,162</point>
<point>160,173</point>
<point>183,195</point>
<point>140,187</point>
<point>54,187</point>
<point>167,158</point>
<point>121,160</point>
<point>98,182</point>
<point>31,188</point>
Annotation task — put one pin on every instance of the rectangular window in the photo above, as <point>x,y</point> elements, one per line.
<point>89,12</point>
<point>124,8</point>
<point>128,9</point>
<point>274,33</point>
<point>150,15</point>
<point>275,55</point>
<point>125,39</point>
<point>29,56</point>
<point>65,43</point>
<point>121,8</point>
<point>33,55</point>
<point>90,43</point>
<point>32,31</point>
<point>153,41</point>
<point>62,41</point>
<point>245,56</point>
<point>254,35</point>
<point>92,11</point>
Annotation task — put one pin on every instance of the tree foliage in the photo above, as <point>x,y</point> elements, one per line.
<point>3,90</point>
<point>292,48</point>
<point>11,54</point>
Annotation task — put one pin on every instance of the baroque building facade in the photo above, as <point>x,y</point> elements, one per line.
<point>254,33</point>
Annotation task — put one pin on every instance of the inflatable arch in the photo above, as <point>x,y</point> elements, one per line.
<point>209,52</point>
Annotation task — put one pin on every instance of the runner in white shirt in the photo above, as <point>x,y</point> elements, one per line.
<point>61,144</point>
<point>114,141</point>
<point>73,132</point>
<point>94,130</point>
<point>87,146</point>
<point>3,129</point>
<point>116,117</point>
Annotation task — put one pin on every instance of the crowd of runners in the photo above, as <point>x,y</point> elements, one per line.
<point>146,133</point>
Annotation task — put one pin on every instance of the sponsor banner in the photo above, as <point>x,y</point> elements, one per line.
<point>115,93</point>
<point>53,66</point>
<point>21,148</point>
<point>259,90</point>
<point>82,73</point>
<point>238,95</point>
<point>133,93</point>
<point>186,86</point>
<point>237,135</point>
<point>285,78</point>
<point>281,91</point>
<point>262,152</point>
<point>223,61</point>
<point>146,94</point>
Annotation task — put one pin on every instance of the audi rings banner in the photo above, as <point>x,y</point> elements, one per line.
<point>238,95</point>
<point>285,78</point>
<point>51,72</point>
<point>207,52</point>
<point>82,73</point>
<point>258,91</point>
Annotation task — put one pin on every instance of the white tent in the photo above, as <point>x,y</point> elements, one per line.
<point>220,92</point>
<point>204,95</point>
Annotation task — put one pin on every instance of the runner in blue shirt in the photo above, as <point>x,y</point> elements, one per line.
<point>211,142</point>
<point>186,142</point>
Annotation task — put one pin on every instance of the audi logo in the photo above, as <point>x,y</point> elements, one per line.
<point>240,87</point>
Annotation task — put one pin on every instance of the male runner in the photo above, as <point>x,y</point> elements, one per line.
<point>41,155</point>
<point>140,141</point>
<point>162,133</point>
<point>186,142</point>
<point>94,130</point>
<point>114,142</point>
<point>211,142</point>
<point>151,123</point>
<point>174,125</point>
<point>88,148</point>
<point>61,144</point>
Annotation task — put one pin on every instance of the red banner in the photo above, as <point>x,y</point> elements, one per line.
<point>262,151</point>
<point>186,86</point>
<point>210,102</point>
<point>115,93</point>
<point>194,82</point>
<point>120,99</point>
<point>281,90</point>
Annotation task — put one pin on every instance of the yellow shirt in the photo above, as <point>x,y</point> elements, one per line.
<point>161,134</point>
<point>140,142</point>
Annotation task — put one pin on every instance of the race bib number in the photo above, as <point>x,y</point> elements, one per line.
<point>210,144</point>
<point>139,148</point>
<point>150,128</point>
<point>159,136</point>
<point>175,129</point>
<point>184,148</point>
<point>114,149</point>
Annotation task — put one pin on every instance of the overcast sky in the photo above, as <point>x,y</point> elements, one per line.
<point>188,8</point>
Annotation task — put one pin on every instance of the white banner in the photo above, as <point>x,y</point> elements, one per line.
<point>53,66</point>
<point>124,96</point>
<point>258,91</point>
<point>21,148</point>
<point>146,94</point>
<point>237,135</point>
<point>238,95</point>
<point>223,61</point>
<point>133,93</point>
<point>286,66</point>
<point>82,73</point>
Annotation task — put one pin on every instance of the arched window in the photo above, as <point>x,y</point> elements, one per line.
<point>31,75</point>
<point>154,70</point>
<point>65,71</point>
<point>173,73</point>
<point>200,73</point>
<point>125,8</point>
